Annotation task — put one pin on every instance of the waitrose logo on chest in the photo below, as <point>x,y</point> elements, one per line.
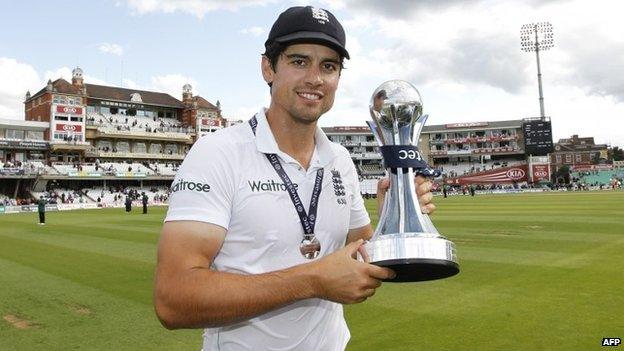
<point>268,185</point>
<point>190,185</point>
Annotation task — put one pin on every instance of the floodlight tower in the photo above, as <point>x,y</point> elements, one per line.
<point>537,37</point>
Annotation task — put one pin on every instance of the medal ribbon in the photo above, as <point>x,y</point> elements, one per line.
<point>308,219</point>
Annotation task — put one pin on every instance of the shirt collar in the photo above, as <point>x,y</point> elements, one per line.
<point>265,143</point>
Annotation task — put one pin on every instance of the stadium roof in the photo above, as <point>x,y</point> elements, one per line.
<point>23,125</point>
<point>451,127</point>
<point>201,102</point>
<point>457,127</point>
<point>104,92</point>
<point>347,130</point>
<point>59,86</point>
<point>122,94</point>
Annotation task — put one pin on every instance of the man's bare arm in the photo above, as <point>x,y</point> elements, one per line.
<point>188,294</point>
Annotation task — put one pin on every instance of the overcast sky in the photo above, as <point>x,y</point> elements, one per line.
<point>463,56</point>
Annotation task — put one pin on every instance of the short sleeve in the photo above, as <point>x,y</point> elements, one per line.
<point>358,216</point>
<point>203,188</point>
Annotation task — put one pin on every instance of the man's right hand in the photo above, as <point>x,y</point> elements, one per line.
<point>342,278</point>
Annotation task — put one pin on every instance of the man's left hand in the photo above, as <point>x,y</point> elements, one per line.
<point>423,190</point>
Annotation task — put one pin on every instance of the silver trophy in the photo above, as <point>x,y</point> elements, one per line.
<point>405,239</point>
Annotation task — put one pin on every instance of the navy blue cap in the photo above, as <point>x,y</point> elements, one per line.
<point>308,25</point>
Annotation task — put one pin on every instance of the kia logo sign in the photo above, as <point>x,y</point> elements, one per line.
<point>541,174</point>
<point>515,173</point>
<point>69,128</point>
<point>69,110</point>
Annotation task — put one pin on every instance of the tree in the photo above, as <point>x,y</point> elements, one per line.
<point>615,154</point>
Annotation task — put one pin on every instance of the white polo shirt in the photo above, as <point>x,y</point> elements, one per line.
<point>227,180</point>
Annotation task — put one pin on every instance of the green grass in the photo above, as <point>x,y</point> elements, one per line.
<point>538,272</point>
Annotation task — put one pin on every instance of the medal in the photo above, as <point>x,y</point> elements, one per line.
<point>310,247</point>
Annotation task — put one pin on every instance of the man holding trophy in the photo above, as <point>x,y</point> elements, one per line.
<point>260,241</point>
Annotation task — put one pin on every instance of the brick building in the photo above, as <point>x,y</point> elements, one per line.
<point>85,119</point>
<point>575,151</point>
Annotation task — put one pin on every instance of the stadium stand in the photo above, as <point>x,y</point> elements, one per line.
<point>597,178</point>
<point>83,142</point>
<point>369,186</point>
<point>165,169</point>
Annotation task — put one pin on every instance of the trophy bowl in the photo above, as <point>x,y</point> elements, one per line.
<point>405,239</point>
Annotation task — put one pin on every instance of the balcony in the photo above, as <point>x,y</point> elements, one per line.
<point>133,133</point>
<point>56,145</point>
<point>366,156</point>
<point>481,139</point>
<point>144,155</point>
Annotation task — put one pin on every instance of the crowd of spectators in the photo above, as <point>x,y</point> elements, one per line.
<point>120,193</point>
<point>125,123</point>
<point>19,168</point>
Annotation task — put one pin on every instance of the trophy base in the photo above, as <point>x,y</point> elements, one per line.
<point>414,256</point>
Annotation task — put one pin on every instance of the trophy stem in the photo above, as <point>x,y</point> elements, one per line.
<point>399,178</point>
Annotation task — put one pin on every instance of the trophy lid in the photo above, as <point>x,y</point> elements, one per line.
<point>396,100</point>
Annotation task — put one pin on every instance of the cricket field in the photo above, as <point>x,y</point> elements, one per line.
<point>538,272</point>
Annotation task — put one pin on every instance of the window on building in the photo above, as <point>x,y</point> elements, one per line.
<point>123,146</point>
<point>36,156</point>
<point>171,149</point>
<point>578,157</point>
<point>34,135</point>
<point>568,158</point>
<point>104,145</point>
<point>155,148</point>
<point>14,134</point>
<point>139,147</point>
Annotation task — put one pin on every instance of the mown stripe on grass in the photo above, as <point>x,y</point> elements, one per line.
<point>521,257</point>
<point>55,303</point>
<point>125,278</point>
<point>141,252</point>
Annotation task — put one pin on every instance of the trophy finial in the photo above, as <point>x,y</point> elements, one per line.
<point>396,100</point>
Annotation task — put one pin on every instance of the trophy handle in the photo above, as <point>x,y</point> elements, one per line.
<point>427,172</point>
